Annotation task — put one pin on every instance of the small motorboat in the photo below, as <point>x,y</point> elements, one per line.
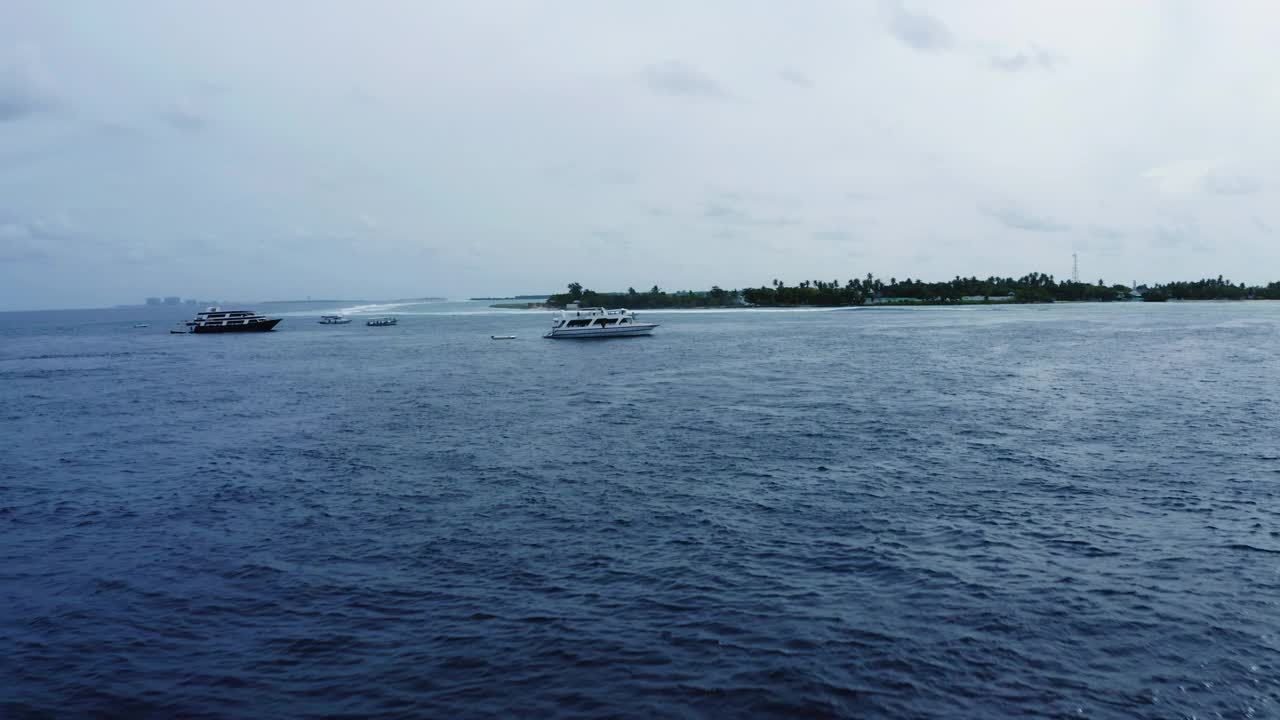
<point>381,321</point>
<point>333,320</point>
<point>502,337</point>
<point>142,325</point>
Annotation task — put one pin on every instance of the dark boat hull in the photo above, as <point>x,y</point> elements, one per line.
<point>263,326</point>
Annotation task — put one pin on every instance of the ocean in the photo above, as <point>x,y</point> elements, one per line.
<point>980,512</point>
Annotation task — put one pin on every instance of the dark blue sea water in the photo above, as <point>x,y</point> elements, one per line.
<point>986,512</point>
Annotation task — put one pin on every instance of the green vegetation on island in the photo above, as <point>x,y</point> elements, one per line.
<point>520,306</point>
<point>1218,289</point>
<point>653,299</point>
<point>1031,288</point>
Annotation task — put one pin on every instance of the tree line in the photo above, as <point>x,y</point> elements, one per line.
<point>655,297</point>
<point>1217,289</point>
<point>1031,288</point>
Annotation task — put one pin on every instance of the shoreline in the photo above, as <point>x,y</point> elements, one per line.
<point>886,305</point>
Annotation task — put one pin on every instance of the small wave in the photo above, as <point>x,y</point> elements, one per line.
<point>1251,548</point>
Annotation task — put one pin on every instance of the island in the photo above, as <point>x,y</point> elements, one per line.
<point>1031,288</point>
<point>521,306</point>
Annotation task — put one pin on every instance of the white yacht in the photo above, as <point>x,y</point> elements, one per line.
<point>217,320</point>
<point>334,320</point>
<point>597,322</point>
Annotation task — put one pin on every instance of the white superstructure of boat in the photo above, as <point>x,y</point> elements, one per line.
<point>597,322</point>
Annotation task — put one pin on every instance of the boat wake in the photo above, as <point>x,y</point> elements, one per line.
<point>365,309</point>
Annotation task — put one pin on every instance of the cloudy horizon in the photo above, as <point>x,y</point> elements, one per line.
<point>405,149</point>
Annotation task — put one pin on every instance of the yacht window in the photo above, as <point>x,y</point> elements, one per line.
<point>235,322</point>
<point>579,323</point>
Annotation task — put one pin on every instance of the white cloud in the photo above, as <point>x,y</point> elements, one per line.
<point>183,114</point>
<point>795,77</point>
<point>918,29</point>
<point>681,79</point>
<point>1017,218</point>
<point>728,144</point>
<point>1179,178</point>
<point>18,242</point>
<point>1035,58</point>
<point>1227,182</point>
<point>1213,177</point>
<point>26,84</point>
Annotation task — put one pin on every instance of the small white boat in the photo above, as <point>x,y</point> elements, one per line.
<point>142,325</point>
<point>502,337</point>
<point>597,322</point>
<point>333,320</point>
<point>381,321</point>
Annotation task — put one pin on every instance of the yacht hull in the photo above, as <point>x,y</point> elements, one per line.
<point>636,330</point>
<point>263,326</point>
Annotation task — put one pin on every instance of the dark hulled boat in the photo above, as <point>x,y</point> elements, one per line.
<point>217,320</point>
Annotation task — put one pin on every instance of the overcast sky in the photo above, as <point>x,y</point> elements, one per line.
<point>273,150</point>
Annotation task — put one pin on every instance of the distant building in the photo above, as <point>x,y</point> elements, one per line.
<point>153,301</point>
<point>173,300</point>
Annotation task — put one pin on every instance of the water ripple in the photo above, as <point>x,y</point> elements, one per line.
<point>950,512</point>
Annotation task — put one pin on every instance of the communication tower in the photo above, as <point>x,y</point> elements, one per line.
<point>1075,268</point>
